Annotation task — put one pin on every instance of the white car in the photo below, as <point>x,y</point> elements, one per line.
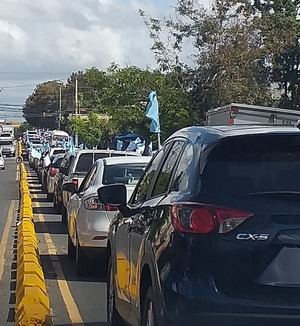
<point>2,162</point>
<point>89,219</point>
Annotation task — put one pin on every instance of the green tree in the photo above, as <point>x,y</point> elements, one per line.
<point>41,107</point>
<point>227,62</point>
<point>279,26</point>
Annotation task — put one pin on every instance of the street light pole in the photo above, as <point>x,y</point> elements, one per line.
<point>59,118</point>
<point>76,110</point>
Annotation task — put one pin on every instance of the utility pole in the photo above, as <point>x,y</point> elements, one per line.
<point>59,118</point>
<point>76,110</point>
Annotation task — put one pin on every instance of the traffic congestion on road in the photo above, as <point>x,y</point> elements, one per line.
<point>149,163</point>
<point>203,232</point>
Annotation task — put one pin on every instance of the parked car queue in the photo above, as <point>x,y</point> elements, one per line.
<point>208,236</point>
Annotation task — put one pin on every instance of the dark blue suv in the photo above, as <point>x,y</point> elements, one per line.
<point>211,234</point>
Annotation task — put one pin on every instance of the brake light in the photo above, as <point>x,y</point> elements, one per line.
<point>94,204</point>
<point>75,182</point>
<point>202,218</point>
<point>110,208</point>
<point>52,172</point>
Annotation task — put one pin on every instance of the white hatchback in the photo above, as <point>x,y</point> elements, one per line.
<point>88,218</point>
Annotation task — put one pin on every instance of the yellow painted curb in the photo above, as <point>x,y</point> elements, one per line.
<point>32,301</point>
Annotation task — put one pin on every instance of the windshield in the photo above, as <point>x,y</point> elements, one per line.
<point>86,160</point>
<point>58,151</point>
<point>60,138</point>
<point>245,165</point>
<point>123,173</point>
<point>6,142</point>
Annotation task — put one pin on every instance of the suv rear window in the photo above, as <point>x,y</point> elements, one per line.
<point>85,161</point>
<point>241,166</point>
<point>58,151</point>
<point>123,173</point>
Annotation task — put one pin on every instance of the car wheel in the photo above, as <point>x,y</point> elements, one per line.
<point>82,263</point>
<point>148,317</point>
<point>113,317</point>
<point>54,202</point>
<point>49,196</point>
<point>64,215</point>
<point>71,248</point>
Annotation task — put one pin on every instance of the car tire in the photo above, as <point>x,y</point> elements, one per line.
<point>54,203</point>
<point>82,262</point>
<point>113,316</point>
<point>49,196</point>
<point>71,248</point>
<point>148,316</point>
<point>64,215</point>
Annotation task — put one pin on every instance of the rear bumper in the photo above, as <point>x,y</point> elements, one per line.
<point>239,319</point>
<point>92,228</point>
<point>214,308</point>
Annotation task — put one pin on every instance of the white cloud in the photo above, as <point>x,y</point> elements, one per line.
<point>39,36</point>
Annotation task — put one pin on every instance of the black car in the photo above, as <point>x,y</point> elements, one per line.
<point>59,180</point>
<point>211,234</point>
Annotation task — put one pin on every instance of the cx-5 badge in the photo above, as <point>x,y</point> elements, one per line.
<point>253,237</point>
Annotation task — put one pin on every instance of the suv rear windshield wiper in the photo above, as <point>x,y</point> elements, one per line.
<point>280,194</point>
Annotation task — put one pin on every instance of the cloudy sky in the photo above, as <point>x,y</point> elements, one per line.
<point>48,39</point>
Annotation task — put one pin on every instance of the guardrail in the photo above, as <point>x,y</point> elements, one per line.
<point>32,301</point>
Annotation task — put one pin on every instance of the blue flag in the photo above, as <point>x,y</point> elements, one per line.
<point>152,112</point>
<point>72,149</point>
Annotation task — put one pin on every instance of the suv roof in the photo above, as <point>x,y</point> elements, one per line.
<point>126,160</point>
<point>211,133</point>
<point>106,151</point>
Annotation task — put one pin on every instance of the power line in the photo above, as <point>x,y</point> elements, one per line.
<point>8,104</point>
<point>35,73</point>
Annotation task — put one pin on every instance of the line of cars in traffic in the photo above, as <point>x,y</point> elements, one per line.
<point>206,233</point>
<point>71,180</point>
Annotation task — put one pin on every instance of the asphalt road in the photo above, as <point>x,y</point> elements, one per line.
<point>8,221</point>
<point>74,300</point>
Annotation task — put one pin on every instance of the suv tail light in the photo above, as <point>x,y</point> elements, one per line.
<point>93,204</point>
<point>52,172</point>
<point>202,218</point>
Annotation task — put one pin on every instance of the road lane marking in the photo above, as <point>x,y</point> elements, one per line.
<point>4,239</point>
<point>65,291</point>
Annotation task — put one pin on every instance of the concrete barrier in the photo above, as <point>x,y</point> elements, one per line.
<point>32,301</point>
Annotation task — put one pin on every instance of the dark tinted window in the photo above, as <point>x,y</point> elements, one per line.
<point>184,171</point>
<point>241,166</point>
<point>142,189</point>
<point>85,161</point>
<point>6,142</point>
<point>164,177</point>
<point>123,173</point>
<point>58,151</point>
<point>101,155</point>
<point>58,161</point>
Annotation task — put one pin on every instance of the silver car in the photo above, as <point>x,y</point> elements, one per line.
<point>88,219</point>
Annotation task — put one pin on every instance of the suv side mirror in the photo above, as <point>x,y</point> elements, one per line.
<point>70,187</point>
<point>113,195</point>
